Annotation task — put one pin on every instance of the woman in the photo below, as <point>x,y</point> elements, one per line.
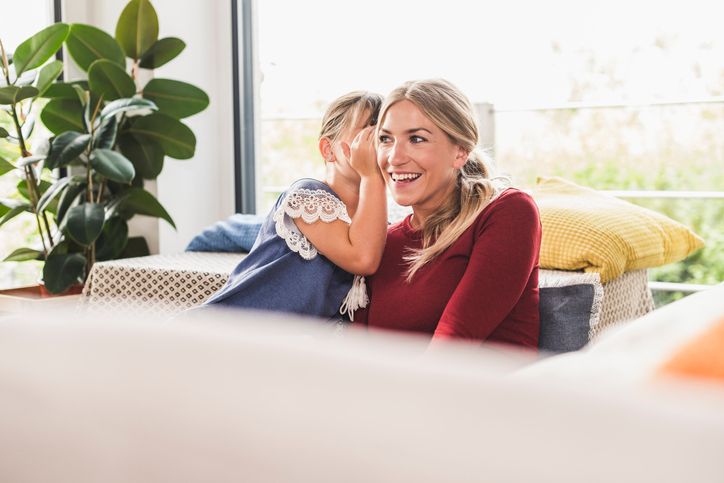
<point>464,264</point>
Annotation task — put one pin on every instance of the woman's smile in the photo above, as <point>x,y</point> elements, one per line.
<point>404,178</point>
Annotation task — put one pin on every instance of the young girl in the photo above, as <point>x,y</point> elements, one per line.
<point>318,234</point>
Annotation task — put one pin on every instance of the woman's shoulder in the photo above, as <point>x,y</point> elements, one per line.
<point>511,202</point>
<point>513,198</point>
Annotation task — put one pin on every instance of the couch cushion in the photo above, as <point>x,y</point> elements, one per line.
<point>570,308</point>
<point>587,230</point>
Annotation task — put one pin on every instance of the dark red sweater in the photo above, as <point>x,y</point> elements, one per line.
<point>483,287</point>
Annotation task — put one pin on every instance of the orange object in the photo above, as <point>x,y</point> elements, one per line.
<point>703,357</point>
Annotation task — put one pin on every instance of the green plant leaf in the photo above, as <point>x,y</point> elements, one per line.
<point>7,94</point>
<point>65,90</point>
<point>3,133</point>
<point>24,254</point>
<point>163,51</point>
<point>5,167</point>
<point>106,134</point>
<point>137,28</point>
<point>112,165</point>
<point>76,186</point>
<point>52,192</point>
<point>113,239</point>
<point>123,105</point>
<point>13,94</point>
<point>109,80</point>
<point>14,211</point>
<point>141,202</point>
<point>60,115</point>
<point>85,222</point>
<point>62,271</point>
<point>47,75</point>
<point>146,156</point>
<point>175,98</point>
<point>39,48</point>
<point>136,247</point>
<point>176,139</point>
<point>66,148</point>
<point>86,44</point>
<point>22,188</point>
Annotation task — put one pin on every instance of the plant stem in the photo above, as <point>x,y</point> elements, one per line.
<point>32,184</point>
<point>6,72</point>
<point>30,180</point>
<point>100,190</point>
<point>89,179</point>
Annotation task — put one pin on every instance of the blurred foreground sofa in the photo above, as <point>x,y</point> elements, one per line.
<point>230,397</point>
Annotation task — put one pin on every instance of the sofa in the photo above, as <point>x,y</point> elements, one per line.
<point>245,396</point>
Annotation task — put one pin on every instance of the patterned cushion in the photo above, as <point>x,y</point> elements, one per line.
<point>591,231</point>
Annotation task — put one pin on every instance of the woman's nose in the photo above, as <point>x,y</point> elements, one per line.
<point>396,155</point>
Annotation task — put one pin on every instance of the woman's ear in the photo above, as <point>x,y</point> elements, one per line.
<point>325,148</point>
<point>461,157</point>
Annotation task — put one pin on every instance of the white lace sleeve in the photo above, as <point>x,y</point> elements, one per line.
<point>310,205</point>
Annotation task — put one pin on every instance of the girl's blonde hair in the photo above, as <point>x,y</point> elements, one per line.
<point>452,112</point>
<point>347,111</point>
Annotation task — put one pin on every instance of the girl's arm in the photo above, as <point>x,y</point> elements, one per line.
<point>356,247</point>
<point>503,257</point>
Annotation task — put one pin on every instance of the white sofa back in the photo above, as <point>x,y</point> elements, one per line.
<point>256,398</point>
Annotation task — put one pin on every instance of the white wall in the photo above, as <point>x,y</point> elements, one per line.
<point>198,191</point>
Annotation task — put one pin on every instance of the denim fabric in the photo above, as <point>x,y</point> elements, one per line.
<point>273,277</point>
<point>565,314</point>
<point>235,234</point>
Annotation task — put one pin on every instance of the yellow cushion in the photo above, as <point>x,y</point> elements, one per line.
<point>591,231</point>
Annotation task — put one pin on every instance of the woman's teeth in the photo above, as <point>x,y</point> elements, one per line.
<point>396,177</point>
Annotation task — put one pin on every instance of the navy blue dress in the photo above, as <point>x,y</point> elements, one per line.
<point>283,271</point>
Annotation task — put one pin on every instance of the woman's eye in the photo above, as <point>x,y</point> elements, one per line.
<point>417,139</point>
<point>384,138</point>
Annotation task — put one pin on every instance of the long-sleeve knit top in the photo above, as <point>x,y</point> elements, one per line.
<point>483,287</point>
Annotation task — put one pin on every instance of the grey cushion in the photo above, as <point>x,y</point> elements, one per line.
<point>570,306</point>
<point>565,314</point>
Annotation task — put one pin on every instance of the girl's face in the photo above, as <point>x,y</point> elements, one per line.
<point>417,158</point>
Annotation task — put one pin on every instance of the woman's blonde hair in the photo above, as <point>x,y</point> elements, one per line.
<point>347,111</point>
<point>452,112</point>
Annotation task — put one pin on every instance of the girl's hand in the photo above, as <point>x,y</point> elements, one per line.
<point>363,155</point>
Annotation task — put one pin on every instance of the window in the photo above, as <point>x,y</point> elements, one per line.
<point>612,95</point>
<point>22,20</point>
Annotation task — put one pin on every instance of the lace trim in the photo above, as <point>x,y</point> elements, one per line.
<point>310,205</point>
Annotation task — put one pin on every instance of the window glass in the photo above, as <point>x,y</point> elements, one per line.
<point>550,69</point>
<point>20,21</point>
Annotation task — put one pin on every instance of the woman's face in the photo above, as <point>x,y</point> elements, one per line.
<point>417,158</point>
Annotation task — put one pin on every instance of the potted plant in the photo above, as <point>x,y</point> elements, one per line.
<point>109,135</point>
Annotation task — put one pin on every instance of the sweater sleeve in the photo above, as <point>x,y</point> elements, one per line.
<point>505,252</point>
